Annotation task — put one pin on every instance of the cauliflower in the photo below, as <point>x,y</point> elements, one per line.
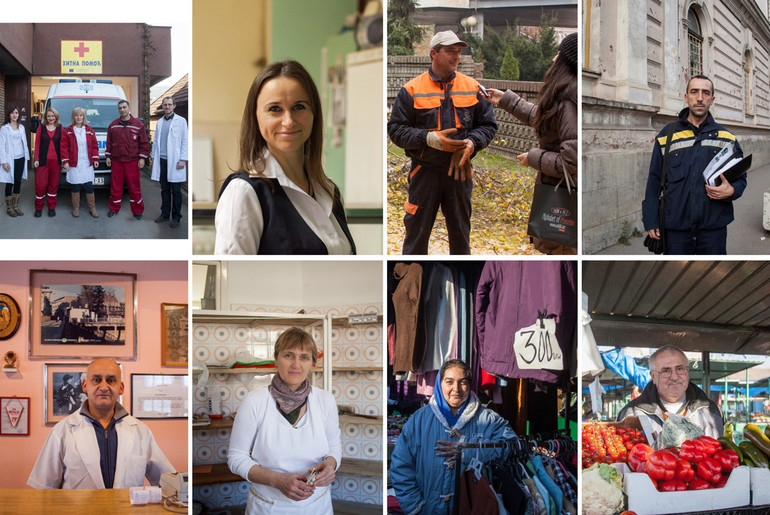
<point>602,493</point>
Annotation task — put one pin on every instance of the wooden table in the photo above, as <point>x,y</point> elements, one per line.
<point>87,502</point>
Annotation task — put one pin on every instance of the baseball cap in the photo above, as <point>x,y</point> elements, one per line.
<point>446,38</point>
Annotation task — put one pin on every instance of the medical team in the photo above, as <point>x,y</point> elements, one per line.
<point>74,149</point>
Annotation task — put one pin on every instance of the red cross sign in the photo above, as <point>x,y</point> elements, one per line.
<point>81,49</point>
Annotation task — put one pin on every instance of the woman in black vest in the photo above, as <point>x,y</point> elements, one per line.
<point>47,162</point>
<point>281,201</point>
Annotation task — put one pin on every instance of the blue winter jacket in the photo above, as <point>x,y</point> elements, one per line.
<point>422,482</point>
<point>688,208</point>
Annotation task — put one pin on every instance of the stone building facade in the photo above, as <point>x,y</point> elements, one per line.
<point>638,57</point>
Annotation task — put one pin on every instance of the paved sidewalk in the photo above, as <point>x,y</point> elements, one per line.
<point>745,235</point>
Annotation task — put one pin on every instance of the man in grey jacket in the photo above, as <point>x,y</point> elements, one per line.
<point>671,392</point>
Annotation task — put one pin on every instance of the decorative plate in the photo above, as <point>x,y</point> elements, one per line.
<point>10,316</point>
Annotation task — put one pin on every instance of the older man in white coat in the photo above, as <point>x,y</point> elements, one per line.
<point>100,445</point>
<point>170,146</point>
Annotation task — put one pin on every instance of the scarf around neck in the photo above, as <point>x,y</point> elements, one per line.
<point>287,399</point>
<point>444,406</point>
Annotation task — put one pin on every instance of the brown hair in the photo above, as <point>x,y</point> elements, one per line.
<point>8,114</point>
<point>253,145</point>
<point>56,122</point>
<point>559,84</point>
<point>83,112</point>
<point>295,337</point>
<point>455,363</point>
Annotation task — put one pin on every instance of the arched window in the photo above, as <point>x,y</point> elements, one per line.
<point>695,41</point>
<point>747,82</point>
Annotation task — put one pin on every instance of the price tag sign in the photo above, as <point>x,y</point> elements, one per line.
<point>536,347</point>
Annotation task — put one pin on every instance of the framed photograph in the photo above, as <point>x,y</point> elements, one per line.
<point>159,395</point>
<point>63,390</point>
<point>174,334</point>
<point>82,315</point>
<point>14,415</point>
<point>63,384</point>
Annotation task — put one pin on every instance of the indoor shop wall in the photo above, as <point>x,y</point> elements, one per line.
<point>156,282</point>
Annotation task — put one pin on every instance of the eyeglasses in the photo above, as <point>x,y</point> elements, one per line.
<point>681,370</point>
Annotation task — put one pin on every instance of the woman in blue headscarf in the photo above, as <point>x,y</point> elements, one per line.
<point>422,465</point>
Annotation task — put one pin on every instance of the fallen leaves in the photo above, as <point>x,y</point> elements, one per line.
<point>502,196</point>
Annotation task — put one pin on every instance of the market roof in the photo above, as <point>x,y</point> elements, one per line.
<point>700,306</point>
<point>756,375</point>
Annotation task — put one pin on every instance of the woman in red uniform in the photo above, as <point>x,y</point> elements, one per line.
<point>80,155</point>
<point>47,162</point>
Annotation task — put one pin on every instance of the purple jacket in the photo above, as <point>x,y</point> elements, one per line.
<point>508,297</point>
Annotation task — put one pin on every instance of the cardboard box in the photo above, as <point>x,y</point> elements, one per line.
<point>644,499</point>
<point>760,486</point>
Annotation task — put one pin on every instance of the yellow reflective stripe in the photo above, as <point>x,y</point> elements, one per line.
<point>676,136</point>
<point>725,135</point>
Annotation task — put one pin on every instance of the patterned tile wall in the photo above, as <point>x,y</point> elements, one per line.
<point>219,345</point>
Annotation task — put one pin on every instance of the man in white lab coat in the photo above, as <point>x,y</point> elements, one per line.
<point>169,162</point>
<point>100,445</point>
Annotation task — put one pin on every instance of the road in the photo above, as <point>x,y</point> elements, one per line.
<point>65,226</point>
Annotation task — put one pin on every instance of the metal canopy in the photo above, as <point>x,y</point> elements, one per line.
<point>700,306</point>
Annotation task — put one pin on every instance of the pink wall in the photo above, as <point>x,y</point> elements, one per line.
<point>157,281</point>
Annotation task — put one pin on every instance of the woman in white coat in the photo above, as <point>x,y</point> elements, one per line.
<point>286,436</point>
<point>169,162</point>
<point>14,154</point>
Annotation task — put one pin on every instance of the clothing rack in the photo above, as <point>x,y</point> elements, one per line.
<point>519,446</point>
<point>514,444</point>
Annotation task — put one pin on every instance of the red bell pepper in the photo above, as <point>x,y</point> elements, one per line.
<point>722,482</point>
<point>728,460</point>
<point>693,451</point>
<point>672,485</point>
<point>710,470</point>
<point>699,484</point>
<point>672,450</point>
<point>638,455</point>
<point>712,446</point>
<point>661,465</point>
<point>684,471</point>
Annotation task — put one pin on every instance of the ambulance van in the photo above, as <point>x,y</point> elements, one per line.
<point>100,99</point>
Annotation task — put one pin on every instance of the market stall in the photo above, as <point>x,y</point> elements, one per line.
<point>718,313</point>
<point>472,311</point>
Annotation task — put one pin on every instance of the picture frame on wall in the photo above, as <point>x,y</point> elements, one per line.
<point>14,416</point>
<point>160,395</point>
<point>174,330</point>
<point>64,389</point>
<point>82,315</point>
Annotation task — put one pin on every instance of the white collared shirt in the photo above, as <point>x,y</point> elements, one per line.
<point>239,222</point>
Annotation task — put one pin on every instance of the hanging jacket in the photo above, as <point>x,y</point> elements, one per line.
<point>508,297</point>
<point>421,480</point>
<point>410,324</point>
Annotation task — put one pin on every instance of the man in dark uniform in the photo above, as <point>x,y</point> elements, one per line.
<point>696,214</point>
